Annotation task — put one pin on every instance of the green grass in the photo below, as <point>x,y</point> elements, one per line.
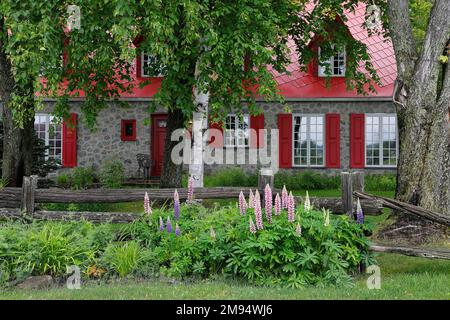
<point>401,278</point>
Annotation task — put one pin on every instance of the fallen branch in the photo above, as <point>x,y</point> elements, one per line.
<point>407,208</point>
<point>414,252</point>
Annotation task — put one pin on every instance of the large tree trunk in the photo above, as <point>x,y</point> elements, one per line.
<point>17,143</point>
<point>171,173</point>
<point>422,104</point>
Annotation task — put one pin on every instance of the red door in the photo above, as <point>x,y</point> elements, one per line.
<point>159,122</point>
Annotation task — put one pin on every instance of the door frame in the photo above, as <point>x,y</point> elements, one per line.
<point>153,118</point>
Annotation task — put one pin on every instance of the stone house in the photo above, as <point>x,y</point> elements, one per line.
<point>329,129</point>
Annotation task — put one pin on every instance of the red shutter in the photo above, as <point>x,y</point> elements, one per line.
<point>285,138</point>
<point>257,134</point>
<point>333,140</point>
<point>357,158</point>
<point>69,148</point>
<point>215,135</point>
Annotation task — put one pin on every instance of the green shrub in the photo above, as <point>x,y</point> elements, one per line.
<point>378,182</point>
<point>123,258</point>
<point>229,178</point>
<point>112,173</point>
<point>81,178</point>
<point>306,180</point>
<point>63,180</point>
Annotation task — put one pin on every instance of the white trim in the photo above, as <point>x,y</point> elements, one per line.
<point>308,153</point>
<point>321,70</point>
<point>237,121</point>
<point>380,116</point>
<point>143,75</point>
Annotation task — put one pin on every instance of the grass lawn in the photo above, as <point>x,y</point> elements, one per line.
<point>401,278</point>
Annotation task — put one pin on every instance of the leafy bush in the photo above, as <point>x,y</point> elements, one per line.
<point>112,173</point>
<point>81,178</point>
<point>63,180</point>
<point>306,180</point>
<point>377,182</point>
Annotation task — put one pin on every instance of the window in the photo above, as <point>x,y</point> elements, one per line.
<point>51,133</point>
<point>308,140</point>
<point>128,130</point>
<point>237,131</point>
<point>381,140</point>
<point>151,67</point>
<point>336,63</point>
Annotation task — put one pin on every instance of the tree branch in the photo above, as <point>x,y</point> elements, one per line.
<point>402,38</point>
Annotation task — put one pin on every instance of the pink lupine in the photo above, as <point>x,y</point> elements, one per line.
<point>284,198</point>
<point>298,229</point>
<point>277,205</point>
<point>291,208</point>
<point>242,204</point>
<point>190,195</point>
<point>268,202</point>
<point>257,198</point>
<point>147,208</point>
<point>176,205</point>
<point>258,214</point>
<point>252,226</point>
<point>251,200</point>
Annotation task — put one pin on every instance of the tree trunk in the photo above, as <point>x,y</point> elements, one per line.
<point>422,102</point>
<point>171,173</point>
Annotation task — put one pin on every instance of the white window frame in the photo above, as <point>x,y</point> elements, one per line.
<point>237,131</point>
<point>308,139</point>
<point>48,122</point>
<point>143,75</point>
<point>322,70</point>
<point>380,155</point>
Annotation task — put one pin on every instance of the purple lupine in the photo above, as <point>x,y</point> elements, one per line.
<point>242,203</point>
<point>359,213</point>
<point>298,229</point>
<point>258,214</point>
<point>277,204</point>
<point>291,208</point>
<point>284,198</point>
<point>190,195</point>
<point>268,202</point>
<point>177,230</point>
<point>168,225</point>
<point>251,200</point>
<point>147,208</point>
<point>252,226</point>
<point>176,205</point>
<point>161,224</point>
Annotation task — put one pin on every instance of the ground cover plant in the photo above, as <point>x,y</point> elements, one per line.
<point>260,242</point>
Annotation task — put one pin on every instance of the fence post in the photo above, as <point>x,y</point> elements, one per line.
<point>265,177</point>
<point>358,181</point>
<point>28,192</point>
<point>347,193</point>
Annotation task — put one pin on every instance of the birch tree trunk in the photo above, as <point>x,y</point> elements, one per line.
<point>422,101</point>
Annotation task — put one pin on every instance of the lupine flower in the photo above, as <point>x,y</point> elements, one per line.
<point>359,213</point>
<point>257,198</point>
<point>177,230</point>
<point>277,205</point>
<point>258,214</point>
<point>326,214</point>
<point>298,229</point>
<point>268,202</point>
<point>307,205</point>
<point>212,233</point>
<point>251,200</point>
<point>284,198</point>
<point>190,195</point>
<point>242,203</point>
<point>176,205</point>
<point>168,225</point>
<point>291,208</point>
<point>161,224</point>
<point>147,208</point>
<point>252,226</point>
